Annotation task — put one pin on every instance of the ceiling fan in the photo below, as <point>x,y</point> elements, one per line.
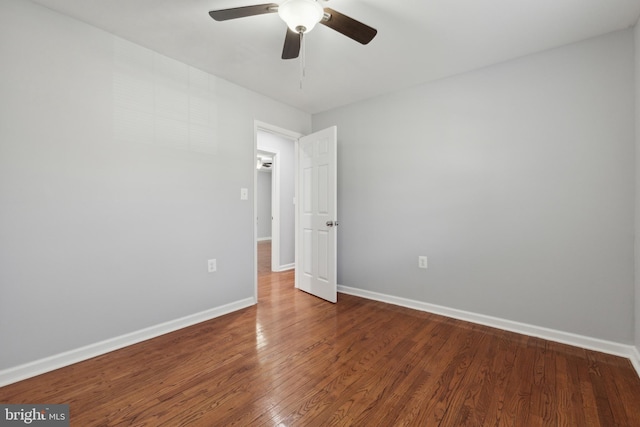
<point>301,16</point>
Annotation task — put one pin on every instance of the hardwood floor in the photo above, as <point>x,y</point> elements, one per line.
<point>294,360</point>
<point>264,258</point>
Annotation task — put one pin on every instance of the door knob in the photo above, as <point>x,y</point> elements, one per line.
<point>332,223</point>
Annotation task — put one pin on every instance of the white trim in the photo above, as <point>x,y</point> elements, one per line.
<point>37,367</point>
<point>28,370</point>
<point>276,130</point>
<point>255,211</point>
<point>582,341</point>
<point>296,220</point>
<point>263,239</point>
<point>275,208</point>
<point>635,359</point>
<point>286,267</point>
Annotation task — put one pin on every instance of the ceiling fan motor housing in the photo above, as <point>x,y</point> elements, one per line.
<point>301,15</point>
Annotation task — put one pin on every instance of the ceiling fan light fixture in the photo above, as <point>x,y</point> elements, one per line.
<point>301,15</point>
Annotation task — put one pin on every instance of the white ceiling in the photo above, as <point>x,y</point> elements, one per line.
<point>418,40</point>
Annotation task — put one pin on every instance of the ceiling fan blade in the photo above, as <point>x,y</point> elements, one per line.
<point>348,26</point>
<point>241,12</point>
<point>291,47</point>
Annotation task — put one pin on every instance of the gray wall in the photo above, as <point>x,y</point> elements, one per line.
<point>516,180</point>
<point>263,192</point>
<point>120,175</point>
<point>286,163</point>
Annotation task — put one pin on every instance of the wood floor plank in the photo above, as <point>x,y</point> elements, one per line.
<point>425,402</point>
<point>568,397</point>
<point>399,372</point>
<point>295,360</point>
<point>471,399</point>
<point>502,364</point>
<point>376,392</point>
<point>356,363</point>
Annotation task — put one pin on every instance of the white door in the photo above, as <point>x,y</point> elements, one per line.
<point>317,214</point>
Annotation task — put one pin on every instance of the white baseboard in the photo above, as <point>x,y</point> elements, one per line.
<point>635,359</point>
<point>286,267</point>
<point>582,341</point>
<point>28,370</point>
<point>263,239</point>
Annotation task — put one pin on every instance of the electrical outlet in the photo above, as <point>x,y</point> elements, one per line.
<point>422,261</point>
<point>212,265</point>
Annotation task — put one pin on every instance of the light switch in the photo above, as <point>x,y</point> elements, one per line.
<point>244,194</point>
<point>422,261</point>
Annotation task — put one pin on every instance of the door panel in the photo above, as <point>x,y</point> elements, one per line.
<point>316,271</point>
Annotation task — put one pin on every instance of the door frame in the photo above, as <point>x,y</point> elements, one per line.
<point>293,136</point>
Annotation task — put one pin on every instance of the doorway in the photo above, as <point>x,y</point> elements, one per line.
<point>276,146</point>
<point>264,211</point>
